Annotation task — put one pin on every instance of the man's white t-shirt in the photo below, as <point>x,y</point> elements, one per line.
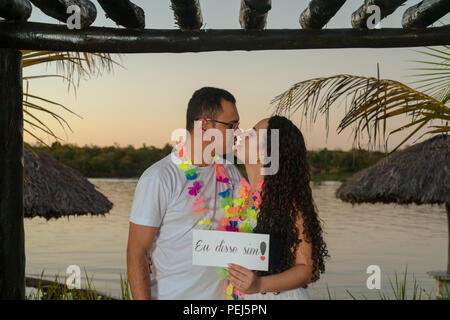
<point>162,199</point>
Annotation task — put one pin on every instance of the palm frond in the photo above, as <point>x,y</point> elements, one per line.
<point>439,84</point>
<point>72,64</point>
<point>373,101</point>
<point>52,102</point>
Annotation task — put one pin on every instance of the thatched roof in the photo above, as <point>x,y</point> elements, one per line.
<point>53,189</point>
<point>18,33</point>
<point>418,174</point>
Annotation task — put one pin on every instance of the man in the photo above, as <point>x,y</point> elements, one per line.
<point>162,218</point>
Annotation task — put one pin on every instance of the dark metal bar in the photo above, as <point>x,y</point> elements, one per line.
<point>12,244</point>
<point>58,9</point>
<point>253,13</point>
<point>319,12</point>
<point>188,14</point>
<point>41,36</point>
<point>387,7</point>
<point>15,9</point>
<point>124,13</point>
<point>425,13</point>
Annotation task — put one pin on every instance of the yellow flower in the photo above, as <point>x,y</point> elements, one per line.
<point>251,213</point>
<point>230,289</point>
<point>184,165</point>
<point>246,227</point>
<point>240,202</point>
<point>227,213</point>
<point>207,221</point>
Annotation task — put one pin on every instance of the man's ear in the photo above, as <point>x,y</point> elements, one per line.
<point>204,124</point>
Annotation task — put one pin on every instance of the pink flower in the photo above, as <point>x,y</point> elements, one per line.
<point>193,191</point>
<point>232,229</point>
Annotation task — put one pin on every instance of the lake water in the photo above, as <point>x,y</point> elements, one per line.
<point>389,236</point>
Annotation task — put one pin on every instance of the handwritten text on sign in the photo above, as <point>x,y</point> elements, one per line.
<point>218,248</point>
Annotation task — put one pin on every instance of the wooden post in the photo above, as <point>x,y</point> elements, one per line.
<point>44,36</point>
<point>188,14</point>
<point>319,12</point>
<point>360,16</point>
<point>442,289</point>
<point>12,244</point>
<point>447,207</point>
<point>15,9</point>
<point>424,13</point>
<point>58,9</point>
<point>253,14</point>
<point>124,13</point>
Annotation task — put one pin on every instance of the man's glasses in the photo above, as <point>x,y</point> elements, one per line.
<point>231,125</point>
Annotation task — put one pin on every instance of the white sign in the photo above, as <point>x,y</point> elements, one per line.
<point>219,248</point>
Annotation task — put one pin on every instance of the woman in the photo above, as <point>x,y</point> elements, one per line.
<point>287,212</point>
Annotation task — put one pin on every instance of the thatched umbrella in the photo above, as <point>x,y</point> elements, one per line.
<point>52,189</point>
<point>419,174</point>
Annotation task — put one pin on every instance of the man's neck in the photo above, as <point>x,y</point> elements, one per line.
<point>197,161</point>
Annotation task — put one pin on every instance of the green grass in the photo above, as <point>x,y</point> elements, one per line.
<point>124,288</point>
<point>398,289</point>
<point>60,291</point>
<point>447,292</point>
<point>400,292</point>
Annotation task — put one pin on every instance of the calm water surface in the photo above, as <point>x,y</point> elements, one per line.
<point>389,236</point>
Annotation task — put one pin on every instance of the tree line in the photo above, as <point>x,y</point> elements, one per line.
<point>130,162</point>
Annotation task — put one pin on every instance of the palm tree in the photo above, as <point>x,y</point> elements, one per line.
<point>376,100</point>
<point>73,65</point>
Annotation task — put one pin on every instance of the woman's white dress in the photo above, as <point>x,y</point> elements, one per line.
<point>294,294</point>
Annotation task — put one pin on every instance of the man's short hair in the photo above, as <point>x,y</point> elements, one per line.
<point>206,102</point>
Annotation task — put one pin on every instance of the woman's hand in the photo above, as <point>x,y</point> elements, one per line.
<point>243,279</point>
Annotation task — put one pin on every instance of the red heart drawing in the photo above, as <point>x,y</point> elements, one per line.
<point>263,258</point>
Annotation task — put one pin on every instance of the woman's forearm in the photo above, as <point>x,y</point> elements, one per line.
<point>295,277</point>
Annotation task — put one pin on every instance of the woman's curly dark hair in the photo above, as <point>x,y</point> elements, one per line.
<point>287,194</point>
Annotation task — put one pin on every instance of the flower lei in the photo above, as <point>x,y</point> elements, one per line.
<point>235,218</point>
<point>238,220</point>
<point>190,171</point>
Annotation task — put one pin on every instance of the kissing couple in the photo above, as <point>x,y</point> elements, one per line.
<point>278,203</point>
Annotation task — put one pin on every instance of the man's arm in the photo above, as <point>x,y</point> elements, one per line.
<point>140,242</point>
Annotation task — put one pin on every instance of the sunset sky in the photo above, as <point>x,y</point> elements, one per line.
<point>147,99</point>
